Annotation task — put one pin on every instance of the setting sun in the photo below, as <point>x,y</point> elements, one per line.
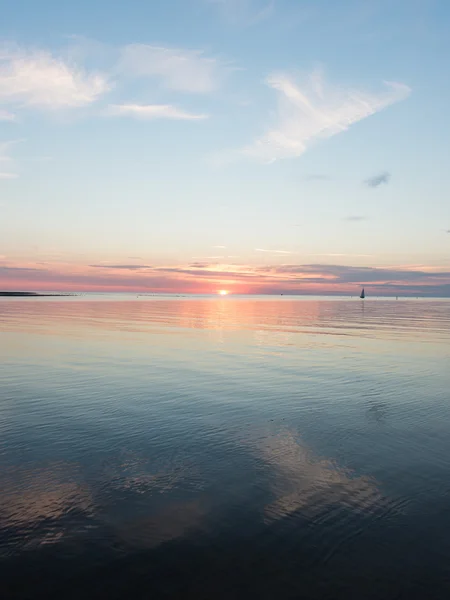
<point>223,292</point>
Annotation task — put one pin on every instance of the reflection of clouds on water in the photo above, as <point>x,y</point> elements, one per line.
<point>142,502</point>
<point>308,485</point>
<point>45,506</point>
<point>38,507</point>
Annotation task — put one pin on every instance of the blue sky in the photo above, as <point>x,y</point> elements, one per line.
<point>239,135</point>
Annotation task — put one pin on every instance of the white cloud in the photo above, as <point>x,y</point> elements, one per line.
<point>273,251</point>
<point>8,175</point>
<point>153,111</point>
<point>5,115</point>
<point>36,78</point>
<point>313,111</point>
<point>180,69</point>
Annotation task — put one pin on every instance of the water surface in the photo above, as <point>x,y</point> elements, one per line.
<point>224,448</point>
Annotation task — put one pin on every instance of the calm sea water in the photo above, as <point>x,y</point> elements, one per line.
<point>224,448</point>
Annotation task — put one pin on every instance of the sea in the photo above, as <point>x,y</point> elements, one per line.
<point>224,448</point>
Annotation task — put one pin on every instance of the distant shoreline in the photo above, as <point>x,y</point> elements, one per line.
<point>31,294</point>
<point>164,295</point>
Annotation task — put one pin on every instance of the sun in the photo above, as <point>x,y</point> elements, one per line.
<point>223,292</point>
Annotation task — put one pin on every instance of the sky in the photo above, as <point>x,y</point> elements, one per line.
<point>253,146</point>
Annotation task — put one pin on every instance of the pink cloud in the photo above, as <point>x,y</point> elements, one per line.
<point>208,277</point>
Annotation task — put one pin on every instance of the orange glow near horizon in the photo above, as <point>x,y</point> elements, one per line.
<point>221,280</point>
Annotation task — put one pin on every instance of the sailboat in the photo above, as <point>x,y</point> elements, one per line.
<point>363,295</point>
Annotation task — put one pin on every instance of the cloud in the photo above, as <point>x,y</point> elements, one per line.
<point>208,272</point>
<point>273,251</point>
<point>4,268</point>
<point>179,69</point>
<point>125,267</point>
<point>356,218</point>
<point>153,111</point>
<point>204,277</point>
<point>310,111</point>
<point>6,115</point>
<point>207,257</point>
<point>358,275</point>
<point>39,79</point>
<point>8,175</point>
<point>199,265</point>
<point>377,180</point>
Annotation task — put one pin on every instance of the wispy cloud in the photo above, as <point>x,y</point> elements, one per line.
<point>207,257</point>
<point>178,69</point>
<point>37,78</point>
<point>356,218</point>
<point>6,269</point>
<point>312,110</point>
<point>153,111</point>
<point>273,251</point>
<point>377,180</point>
<point>33,78</point>
<point>204,277</point>
<point>124,267</point>
<point>6,115</point>
<point>357,275</point>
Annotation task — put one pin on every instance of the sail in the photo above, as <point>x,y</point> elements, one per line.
<point>363,295</point>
